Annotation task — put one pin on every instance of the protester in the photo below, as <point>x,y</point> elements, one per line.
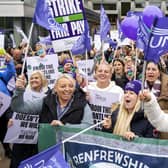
<point>103,84</point>
<point>62,57</point>
<point>18,60</point>
<point>109,54</point>
<point>66,105</point>
<point>119,75</point>
<point>40,50</point>
<point>152,78</point>
<point>69,67</point>
<point>129,68</point>
<point>155,114</point>
<point>128,120</point>
<point>5,76</point>
<point>157,82</point>
<point>28,101</point>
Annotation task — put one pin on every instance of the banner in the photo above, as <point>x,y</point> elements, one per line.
<point>70,14</point>
<point>24,129</point>
<point>48,65</point>
<point>5,101</point>
<point>96,149</point>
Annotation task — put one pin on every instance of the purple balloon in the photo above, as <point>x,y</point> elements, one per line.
<point>149,14</point>
<point>129,27</point>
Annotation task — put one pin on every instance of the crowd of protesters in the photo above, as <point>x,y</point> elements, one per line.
<point>67,103</point>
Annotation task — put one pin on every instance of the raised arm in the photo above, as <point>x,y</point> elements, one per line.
<point>154,113</point>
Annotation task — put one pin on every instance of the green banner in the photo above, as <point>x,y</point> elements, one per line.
<point>47,136</point>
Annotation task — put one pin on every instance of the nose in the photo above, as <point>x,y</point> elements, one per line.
<point>127,94</point>
<point>67,88</point>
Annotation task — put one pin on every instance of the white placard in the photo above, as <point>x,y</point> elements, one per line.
<point>48,65</point>
<point>101,103</point>
<point>24,129</point>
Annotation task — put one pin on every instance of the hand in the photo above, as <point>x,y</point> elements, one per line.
<point>8,57</point>
<point>17,66</point>
<point>129,135</point>
<point>107,122</point>
<point>145,95</point>
<point>10,122</point>
<point>78,78</point>
<point>56,123</point>
<point>87,96</point>
<point>21,82</point>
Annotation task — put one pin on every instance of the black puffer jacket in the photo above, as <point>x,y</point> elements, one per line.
<point>74,114</point>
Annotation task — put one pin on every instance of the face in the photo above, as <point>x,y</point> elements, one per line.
<point>128,62</point>
<point>64,89</point>
<point>152,72</point>
<point>38,47</point>
<point>103,73</point>
<point>67,67</point>
<point>36,82</point>
<point>118,67</point>
<point>17,54</point>
<point>130,99</point>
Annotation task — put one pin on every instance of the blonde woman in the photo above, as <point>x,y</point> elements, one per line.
<point>27,99</point>
<point>128,120</point>
<point>66,104</point>
<point>104,85</point>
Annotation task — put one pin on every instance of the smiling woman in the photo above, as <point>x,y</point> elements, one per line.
<point>66,105</point>
<point>27,99</point>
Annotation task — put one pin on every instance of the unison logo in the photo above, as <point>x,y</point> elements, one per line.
<point>159,38</point>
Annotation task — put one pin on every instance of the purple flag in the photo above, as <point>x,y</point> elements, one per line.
<point>83,43</point>
<point>158,43</point>
<point>44,18</point>
<point>104,24</point>
<point>143,35</point>
<point>120,33</point>
<point>51,157</point>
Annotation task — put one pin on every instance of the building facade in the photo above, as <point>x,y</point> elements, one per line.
<point>118,8</point>
<point>20,12</point>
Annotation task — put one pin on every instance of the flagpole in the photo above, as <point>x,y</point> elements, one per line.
<point>136,61</point>
<point>86,59</point>
<point>81,132</point>
<point>102,47</point>
<point>27,47</point>
<point>77,134</point>
<point>143,74</point>
<point>143,80</point>
<point>71,56</point>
